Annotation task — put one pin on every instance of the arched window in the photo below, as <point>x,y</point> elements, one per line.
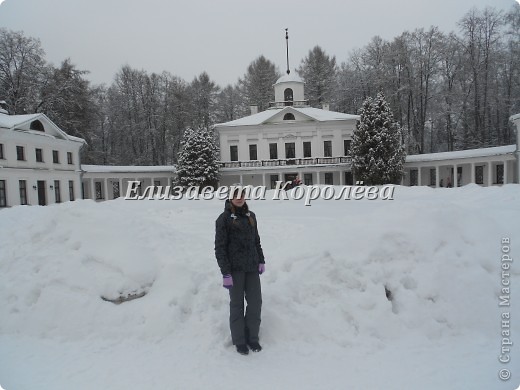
<point>37,125</point>
<point>288,96</point>
<point>288,117</point>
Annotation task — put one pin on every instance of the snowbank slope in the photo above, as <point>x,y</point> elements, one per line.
<point>327,322</point>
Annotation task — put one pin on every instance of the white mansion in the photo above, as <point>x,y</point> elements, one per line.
<point>40,163</point>
<point>292,139</point>
<point>287,140</point>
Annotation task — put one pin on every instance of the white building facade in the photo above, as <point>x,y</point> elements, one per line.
<point>39,163</point>
<point>486,166</point>
<point>102,182</point>
<point>291,139</point>
<point>288,140</point>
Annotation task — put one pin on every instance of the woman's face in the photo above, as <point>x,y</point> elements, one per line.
<point>239,199</point>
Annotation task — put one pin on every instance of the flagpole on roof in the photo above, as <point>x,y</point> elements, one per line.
<point>287,44</point>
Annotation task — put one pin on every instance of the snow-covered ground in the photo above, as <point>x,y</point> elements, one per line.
<point>326,321</point>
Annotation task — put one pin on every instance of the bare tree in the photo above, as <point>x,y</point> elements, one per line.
<point>22,66</point>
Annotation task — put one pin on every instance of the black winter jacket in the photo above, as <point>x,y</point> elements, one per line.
<point>237,243</point>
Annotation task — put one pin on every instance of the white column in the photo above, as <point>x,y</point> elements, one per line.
<point>263,179</point>
<point>419,176</point>
<point>92,189</point>
<point>516,120</point>
<point>472,173</point>
<point>318,177</point>
<point>490,173</point>
<point>242,179</point>
<point>505,171</point>
<point>455,176</point>
<point>437,178</point>
<point>341,178</point>
<point>105,188</point>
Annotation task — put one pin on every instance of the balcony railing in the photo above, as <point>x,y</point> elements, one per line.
<point>285,162</point>
<point>293,103</point>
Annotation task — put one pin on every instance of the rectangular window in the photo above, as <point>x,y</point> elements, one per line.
<point>23,191</point>
<point>433,178</point>
<point>252,152</point>
<point>346,146</point>
<point>69,158</point>
<point>99,191</point>
<point>20,153</point>
<point>414,177</point>
<point>274,179</point>
<point>327,148</point>
<point>2,152</point>
<point>3,197</point>
<point>233,150</point>
<point>273,151</point>
<point>479,174</point>
<point>55,157</point>
<point>500,173</point>
<point>329,177</point>
<point>307,179</point>
<point>39,155</point>
<point>71,190</point>
<point>57,194</point>
<point>349,178</point>
<point>115,189</point>
<point>290,150</point>
<point>307,149</point>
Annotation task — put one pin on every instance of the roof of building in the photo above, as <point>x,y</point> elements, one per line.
<point>127,168</point>
<point>17,122</point>
<point>289,78</point>
<point>483,152</point>
<point>311,112</point>
<point>12,121</point>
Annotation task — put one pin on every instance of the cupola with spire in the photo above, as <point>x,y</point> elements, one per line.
<point>288,89</point>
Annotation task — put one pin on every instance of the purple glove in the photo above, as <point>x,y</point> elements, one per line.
<point>228,281</point>
<point>261,268</point>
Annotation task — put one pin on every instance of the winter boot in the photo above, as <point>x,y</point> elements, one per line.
<point>255,347</point>
<point>242,349</point>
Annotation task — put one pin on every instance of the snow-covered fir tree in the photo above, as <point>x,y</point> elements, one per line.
<point>377,153</point>
<point>198,159</point>
<point>318,71</point>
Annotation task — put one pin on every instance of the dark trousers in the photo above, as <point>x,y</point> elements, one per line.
<point>244,328</point>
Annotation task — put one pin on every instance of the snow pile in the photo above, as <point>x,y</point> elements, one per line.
<point>326,312</point>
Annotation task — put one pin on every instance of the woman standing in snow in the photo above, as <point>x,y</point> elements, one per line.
<point>241,261</point>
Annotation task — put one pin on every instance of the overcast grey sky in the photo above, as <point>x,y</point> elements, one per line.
<point>221,37</point>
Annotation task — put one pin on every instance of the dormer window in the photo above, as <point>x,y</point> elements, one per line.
<point>37,125</point>
<point>288,96</point>
<point>288,117</point>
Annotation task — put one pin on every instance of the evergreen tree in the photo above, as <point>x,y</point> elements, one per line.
<point>257,83</point>
<point>318,71</point>
<point>377,153</point>
<point>203,93</point>
<point>198,159</point>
